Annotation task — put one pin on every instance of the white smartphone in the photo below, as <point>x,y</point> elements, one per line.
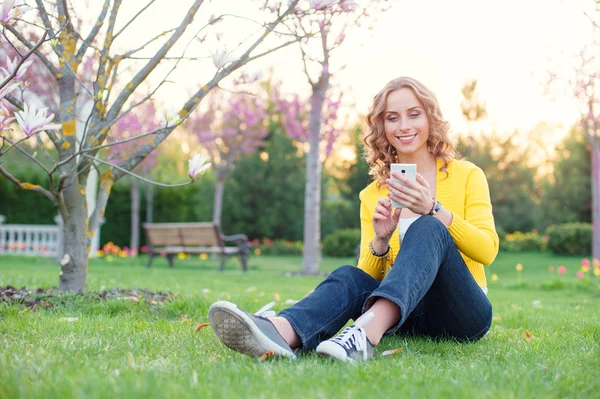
<point>409,170</point>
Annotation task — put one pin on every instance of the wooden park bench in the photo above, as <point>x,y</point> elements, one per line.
<point>170,239</point>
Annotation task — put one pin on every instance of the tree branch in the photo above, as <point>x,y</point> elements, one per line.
<point>149,67</point>
<point>53,70</point>
<point>93,33</point>
<point>44,16</point>
<point>133,19</point>
<point>29,186</point>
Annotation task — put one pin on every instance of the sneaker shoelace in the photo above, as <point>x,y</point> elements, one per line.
<point>355,335</point>
<point>265,310</point>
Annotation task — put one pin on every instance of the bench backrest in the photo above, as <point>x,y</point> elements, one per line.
<point>183,234</point>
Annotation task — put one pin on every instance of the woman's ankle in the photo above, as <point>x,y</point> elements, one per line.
<point>287,332</point>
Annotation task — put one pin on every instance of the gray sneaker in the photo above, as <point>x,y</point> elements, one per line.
<point>250,334</point>
<point>351,345</point>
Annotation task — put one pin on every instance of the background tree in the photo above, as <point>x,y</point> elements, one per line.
<point>331,21</point>
<point>78,153</point>
<point>143,118</point>
<point>512,181</point>
<point>473,109</point>
<point>568,196</point>
<point>232,125</point>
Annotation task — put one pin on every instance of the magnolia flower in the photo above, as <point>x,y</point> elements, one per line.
<point>4,119</point>
<point>11,65</point>
<point>34,120</point>
<point>9,14</point>
<point>320,4</point>
<point>6,89</point>
<point>197,165</point>
<point>220,58</point>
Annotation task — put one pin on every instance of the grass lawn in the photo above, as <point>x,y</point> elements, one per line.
<point>123,348</point>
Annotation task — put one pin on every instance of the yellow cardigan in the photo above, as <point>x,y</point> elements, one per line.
<point>465,193</point>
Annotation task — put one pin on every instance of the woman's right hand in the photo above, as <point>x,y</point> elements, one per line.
<point>385,219</point>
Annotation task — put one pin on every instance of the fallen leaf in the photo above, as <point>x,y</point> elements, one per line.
<point>392,352</point>
<point>497,318</point>
<point>527,336</point>
<point>132,298</point>
<point>266,356</point>
<point>201,326</point>
<point>276,296</point>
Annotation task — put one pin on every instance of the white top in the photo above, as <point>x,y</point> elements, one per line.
<point>404,225</point>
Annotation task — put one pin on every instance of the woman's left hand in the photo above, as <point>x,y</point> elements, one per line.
<point>414,195</point>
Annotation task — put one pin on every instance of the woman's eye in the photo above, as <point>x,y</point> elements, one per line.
<point>392,118</point>
<point>414,115</point>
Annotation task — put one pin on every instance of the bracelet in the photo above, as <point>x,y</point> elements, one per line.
<point>437,205</point>
<point>430,213</point>
<point>378,254</point>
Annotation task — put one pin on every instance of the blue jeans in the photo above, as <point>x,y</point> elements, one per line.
<point>430,282</point>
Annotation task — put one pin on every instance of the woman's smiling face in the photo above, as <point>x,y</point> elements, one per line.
<point>405,123</point>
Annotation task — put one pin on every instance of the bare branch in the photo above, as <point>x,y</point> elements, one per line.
<point>28,155</point>
<point>131,52</point>
<point>138,176</point>
<point>28,186</point>
<point>133,19</point>
<point>44,16</point>
<point>149,67</point>
<point>23,59</point>
<point>53,70</point>
<point>93,33</point>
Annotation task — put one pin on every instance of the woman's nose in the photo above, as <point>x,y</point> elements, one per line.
<point>404,125</point>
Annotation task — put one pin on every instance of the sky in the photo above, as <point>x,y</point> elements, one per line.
<point>508,46</point>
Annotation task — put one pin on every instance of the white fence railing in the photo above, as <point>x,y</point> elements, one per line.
<point>31,239</point>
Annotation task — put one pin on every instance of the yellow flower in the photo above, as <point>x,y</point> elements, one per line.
<point>519,267</point>
<point>596,271</point>
<point>257,251</point>
<point>181,255</point>
<point>100,254</point>
<point>203,256</point>
<point>494,277</point>
<point>585,268</point>
<point>121,253</point>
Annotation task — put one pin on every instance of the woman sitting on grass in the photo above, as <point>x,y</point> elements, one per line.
<point>421,267</point>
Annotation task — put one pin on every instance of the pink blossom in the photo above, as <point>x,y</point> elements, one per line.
<point>197,165</point>
<point>11,66</point>
<point>579,274</point>
<point>4,118</point>
<point>9,13</point>
<point>585,262</point>
<point>34,120</point>
<point>561,270</point>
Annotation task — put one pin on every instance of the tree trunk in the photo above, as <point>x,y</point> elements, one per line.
<point>596,198</point>
<point>134,245</point>
<point>76,241</point>
<point>149,203</point>
<point>312,196</point>
<point>218,202</point>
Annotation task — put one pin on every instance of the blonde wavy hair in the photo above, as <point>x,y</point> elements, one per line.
<point>378,151</point>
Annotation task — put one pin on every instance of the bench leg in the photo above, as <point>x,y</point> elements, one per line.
<point>170,258</point>
<point>244,259</point>
<point>223,259</point>
<point>150,259</point>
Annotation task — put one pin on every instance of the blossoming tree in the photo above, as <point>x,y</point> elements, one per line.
<point>74,149</point>
<point>233,124</point>
<point>331,21</point>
